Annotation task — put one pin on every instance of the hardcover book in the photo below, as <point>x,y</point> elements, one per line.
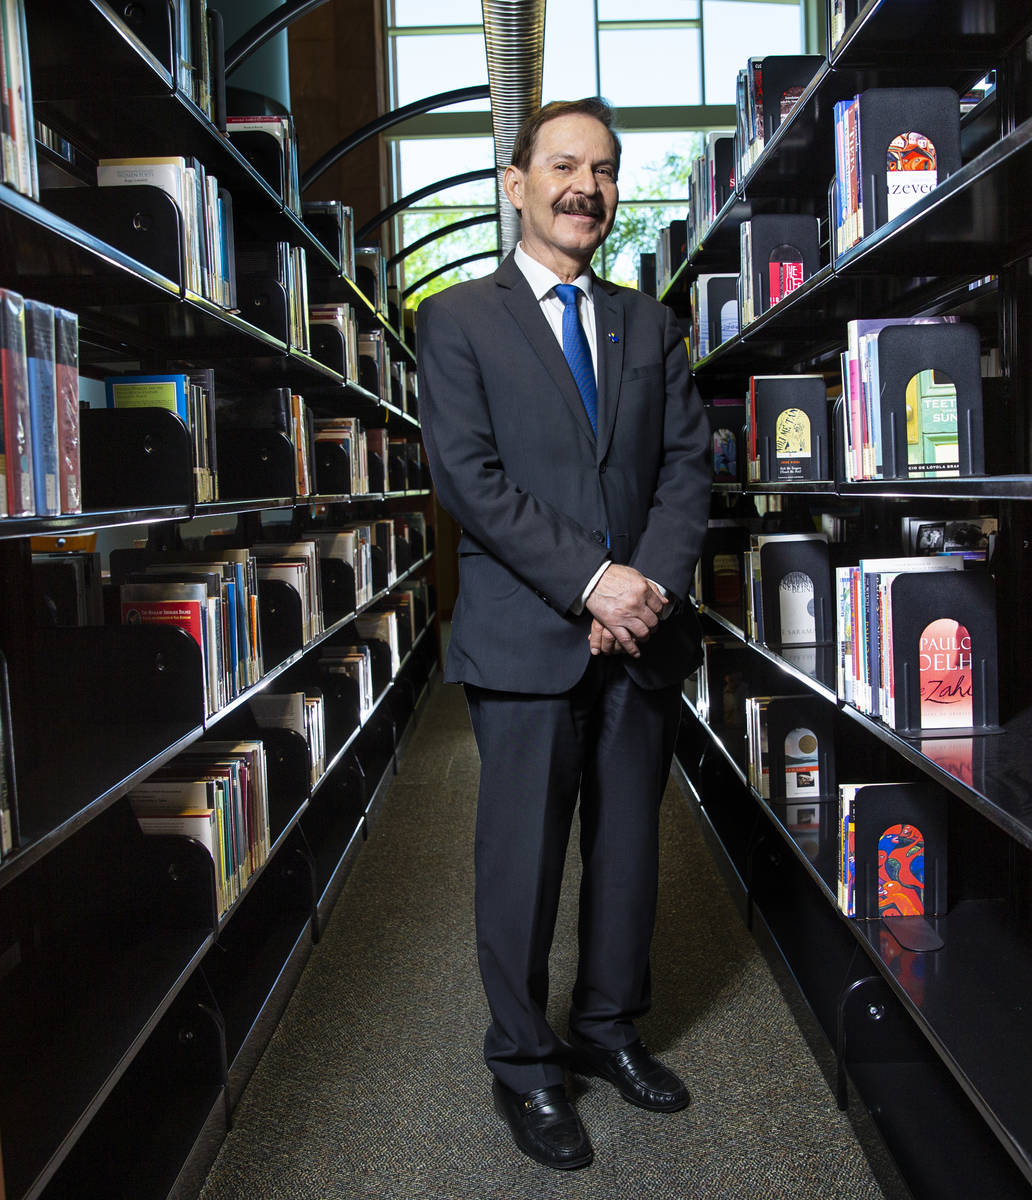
<point>17,498</point>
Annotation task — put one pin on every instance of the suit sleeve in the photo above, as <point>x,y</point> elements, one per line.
<point>671,541</point>
<point>546,548</point>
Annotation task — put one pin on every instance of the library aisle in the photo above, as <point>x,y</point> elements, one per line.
<point>373,1088</point>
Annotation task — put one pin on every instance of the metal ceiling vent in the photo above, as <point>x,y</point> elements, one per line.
<point>514,32</point>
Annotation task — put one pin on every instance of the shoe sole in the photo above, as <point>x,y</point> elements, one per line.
<point>566,1164</point>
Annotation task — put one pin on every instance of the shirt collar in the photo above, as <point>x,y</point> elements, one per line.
<point>541,279</point>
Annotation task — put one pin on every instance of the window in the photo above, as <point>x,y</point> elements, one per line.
<point>668,66</point>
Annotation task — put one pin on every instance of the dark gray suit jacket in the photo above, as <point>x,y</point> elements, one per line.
<point>514,460</point>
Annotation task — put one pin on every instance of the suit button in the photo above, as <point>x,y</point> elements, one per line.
<point>601,468</point>
<point>598,535</point>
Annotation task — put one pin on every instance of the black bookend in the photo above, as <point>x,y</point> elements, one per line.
<point>720,290</point>
<point>217,57</point>
<point>280,619</point>
<point>402,554</point>
<point>264,152</point>
<point>781,238</point>
<point>329,348</point>
<point>727,426</point>
<point>796,592</point>
<point>135,457</point>
<point>261,296</point>
<point>790,428</point>
<point>800,748</point>
<point>342,705</point>
<point>937,355</point>
<point>896,827</point>
<point>332,469</point>
<point>381,656</point>
<point>10,838</point>
<point>256,463</point>
<point>376,475</point>
<point>784,77</point>
<point>378,559</point>
<point>324,219</point>
<point>721,573</point>
<point>398,473</point>
<point>141,221</point>
<point>885,113</point>
<point>944,651</point>
<point>338,588</point>
<point>647,273</point>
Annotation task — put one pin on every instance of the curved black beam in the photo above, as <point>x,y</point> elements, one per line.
<point>456,262</point>
<point>271,24</point>
<point>398,206</point>
<point>454,227</point>
<point>440,100</point>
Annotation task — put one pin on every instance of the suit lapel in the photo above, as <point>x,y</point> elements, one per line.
<point>522,304</point>
<point>609,341</point>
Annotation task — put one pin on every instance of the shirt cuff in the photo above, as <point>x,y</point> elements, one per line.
<point>578,606</point>
<point>667,608</point>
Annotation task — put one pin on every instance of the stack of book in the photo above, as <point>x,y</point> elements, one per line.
<point>375,367</point>
<point>347,434</point>
<point>212,594</point>
<point>711,185</point>
<point>892,147</point>
<point>714,308</point>
<point>191,396</point>
<point>280,129</point>
<point>201,57</point>
<point>777,253</point>
<point>788,594</point>
<point>916,642</point>
<point>39,422</point>
<point>18,167</point>
<point>382,627</point>
<point>671,250</point>
<point>302,712</point>
<point>355,663</point>
<point>206,211</point>
<point>787,429</point>
<point>343,318</point>
<point>892,860</point>
<point>297,565</point>
<point>218,794</point>
<point>351,546</point>
<point>911,405</point>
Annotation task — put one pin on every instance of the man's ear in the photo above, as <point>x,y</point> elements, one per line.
<point>512,181</point>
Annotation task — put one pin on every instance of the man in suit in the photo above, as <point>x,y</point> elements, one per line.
<point>565,436</point>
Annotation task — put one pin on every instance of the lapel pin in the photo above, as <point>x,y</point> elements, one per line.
<point>613,337</point>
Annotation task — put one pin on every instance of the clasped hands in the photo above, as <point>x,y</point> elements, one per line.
<point>625,609</point>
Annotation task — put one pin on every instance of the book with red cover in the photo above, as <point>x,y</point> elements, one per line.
<point>19,500</point>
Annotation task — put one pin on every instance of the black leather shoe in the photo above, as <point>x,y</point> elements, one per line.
<point>636,1074</point>
<point>545,1125</point>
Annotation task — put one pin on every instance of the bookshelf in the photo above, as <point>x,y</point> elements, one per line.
<point>132,1012</point>
<point>933,1046</point>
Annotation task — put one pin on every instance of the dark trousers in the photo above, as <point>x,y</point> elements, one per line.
<point>611,742</point>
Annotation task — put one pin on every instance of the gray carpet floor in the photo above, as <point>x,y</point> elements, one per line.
<point>373,1088</point>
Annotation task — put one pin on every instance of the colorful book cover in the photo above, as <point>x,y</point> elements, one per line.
<point>901,855</point>
<point>149,391</point>
<point>911,173</point>
<point>39,342</point>
<point>947,686</point>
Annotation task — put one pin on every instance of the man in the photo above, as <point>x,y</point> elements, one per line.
<point>564,435</point>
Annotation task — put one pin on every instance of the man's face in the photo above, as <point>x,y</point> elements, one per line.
<point>567,196</point>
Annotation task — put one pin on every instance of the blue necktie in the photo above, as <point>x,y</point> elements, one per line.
<point>577,351</point>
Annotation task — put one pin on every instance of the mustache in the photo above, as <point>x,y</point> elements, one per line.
<point>582,206</point>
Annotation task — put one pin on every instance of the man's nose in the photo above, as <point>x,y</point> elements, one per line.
<point>584,180</point>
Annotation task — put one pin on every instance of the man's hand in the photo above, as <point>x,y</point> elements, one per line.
<point>626,609</point>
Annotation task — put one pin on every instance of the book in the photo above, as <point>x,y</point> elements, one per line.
<point>183,605</point>
<point>892,852</point>
<point>41,366</point>
<point>66,385</point>
<point>19,493</point>
<point>787,428</point>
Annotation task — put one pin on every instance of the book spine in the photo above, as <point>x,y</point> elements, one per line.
<point>66,382</point>
<point>39,341</point>
<point>14,379</point>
